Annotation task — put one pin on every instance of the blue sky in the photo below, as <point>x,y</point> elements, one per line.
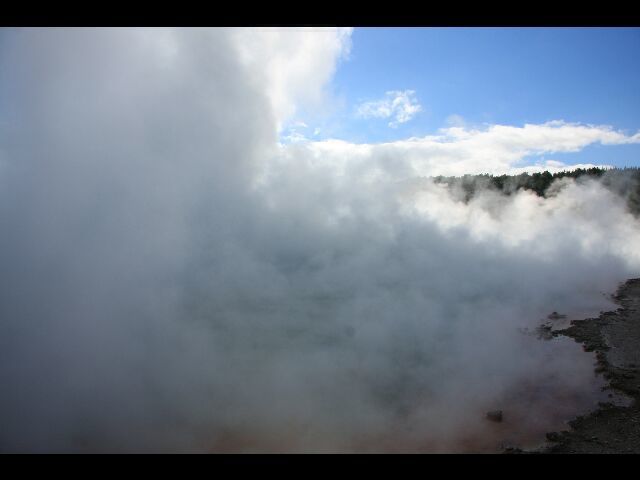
<point>480,76</point>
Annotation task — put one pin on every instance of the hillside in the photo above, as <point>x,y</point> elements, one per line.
<point>625,182</point>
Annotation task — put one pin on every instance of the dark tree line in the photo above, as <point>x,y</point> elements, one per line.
<point>623,181</point>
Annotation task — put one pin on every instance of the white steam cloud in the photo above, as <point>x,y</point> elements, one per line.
<point>174,280</point>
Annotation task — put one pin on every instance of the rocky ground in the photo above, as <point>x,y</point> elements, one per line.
<point>615,338</point>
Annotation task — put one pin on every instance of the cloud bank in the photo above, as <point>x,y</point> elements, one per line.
<point>174,280</point>
<point>494,149</point>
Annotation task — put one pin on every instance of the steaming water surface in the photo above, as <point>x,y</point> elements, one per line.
<point>173,279</point>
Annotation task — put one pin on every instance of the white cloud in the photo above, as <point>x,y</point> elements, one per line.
<point>457,150</point>
<point>401,106</point>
